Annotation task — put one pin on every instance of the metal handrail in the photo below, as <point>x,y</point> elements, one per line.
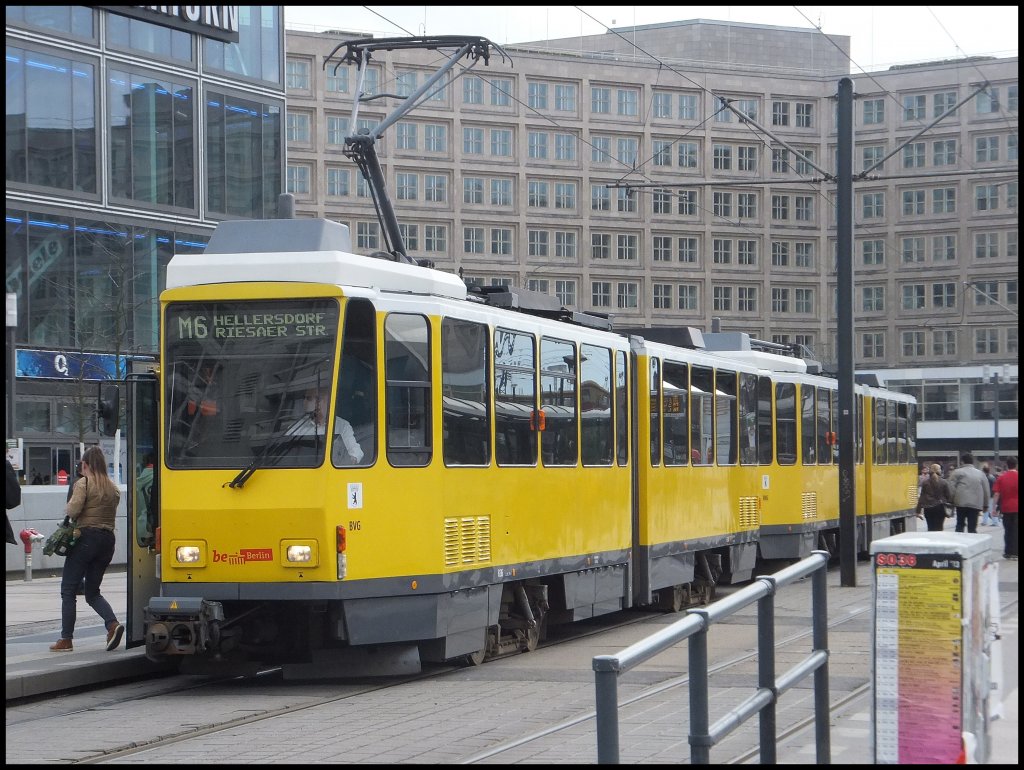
<point>694,627</point>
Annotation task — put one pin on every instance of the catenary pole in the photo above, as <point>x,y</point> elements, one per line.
<point>844,308</point>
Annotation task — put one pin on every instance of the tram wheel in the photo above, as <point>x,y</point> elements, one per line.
<point>532,637</point>
<point>475,658</point>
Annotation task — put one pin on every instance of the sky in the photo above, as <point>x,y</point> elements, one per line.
<point>880,36</point>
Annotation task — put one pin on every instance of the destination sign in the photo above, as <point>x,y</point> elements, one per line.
<point>251,321</point>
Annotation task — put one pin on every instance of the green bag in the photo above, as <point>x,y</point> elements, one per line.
<point>62,540</point>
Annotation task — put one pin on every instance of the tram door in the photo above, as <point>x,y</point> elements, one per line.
<point>143,483</point>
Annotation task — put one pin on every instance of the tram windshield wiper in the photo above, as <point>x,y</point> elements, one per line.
<point>278,444</point>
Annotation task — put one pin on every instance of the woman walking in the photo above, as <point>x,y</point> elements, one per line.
<point>934,497</point>
<point>92,507</point>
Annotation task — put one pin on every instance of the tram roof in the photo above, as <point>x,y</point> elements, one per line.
<point>303,251</point>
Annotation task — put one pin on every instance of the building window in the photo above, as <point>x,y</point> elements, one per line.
<point>625,200</point>
<point>662,296</point>
<point>627,150</point>
<point>337,82</point>
<point>565,195</point>
<point>411,235</point>
<point>537,145</point>
<point>913,344</point>
<point>722,154</point>
<point>565,244</point>
<point>943,248</point>
<point>600,246</point>
<point>780,254</point>
<point>780,300</point>
<point>687,250</point>
<point>298,127</point>
<point>780,161</point>
<point>721,204</point>
<point>662,105</point>
<point>944,342</point>
<point>473,240</point>
<point>626,247</point>
<point>628,100</point>
<point>501,192</point>
<point>986,148</point>
<point>600,198</point>
<point>687,296</point>
<point>944,295</point>
<point>337,182</point>
<point>986,293</point>
<point>913,202</point>
<point>804,254</point>
<point>986,341</point>
<point>873,205</point>
<point>472,190</point>
<point>627,295</point>
<point>687,154</point>
<point>746,158</point>
<point>803,300</point>
<point>537,243</point>
<point>913,155</point>
<point>435,188</point>
<point>803,208</point>
<point>780,113</point>
<point>746,252</point>
<point>600,149</point>
<point>297,74</point>
<point>721,251</point>
<point>987,101</point>
<point>501,241</point>
<point>871,155</point>
<point>662,248</point>
<point>746,205</point>
<point>943,102</point>
<point>501,92</point>
<point>721,298</point>
<point>600,100</point>
<point>944,200</point>
<point>914,107</point>
<point>661,202</point>
<point>874,111</point>
<point>501,143</point>
<point>944,152</point>
<point>986,245</point>
<point>601,294</point>
<point>687,106</point>
<point>406,186</point>
<point>873,299</point>
<point>565,97</point>
<point>566,292</point>
<point>298,179</point>
<point>406,136</point>
<point>746,299</point>
<point>913,250</point>
<point>368,235</point>
<point>873,252</point>
<point>662,152</point>
<point>537,284</point>
<point>986,197</point>
<point>537,95</point>
<point>780,207</point>
<point>722,112</point>
<point>686,203</point>
<point>804,115</point>
<point>472,141</point>
<point>873,345</point>
<point>565,147</point>
<point>405,83</point>
<point>913,296</point>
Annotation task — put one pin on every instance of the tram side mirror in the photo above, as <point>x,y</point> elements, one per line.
<point>109,409</point>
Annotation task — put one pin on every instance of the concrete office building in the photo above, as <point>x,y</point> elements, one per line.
<point>131,131</point>
<point>509,175</point>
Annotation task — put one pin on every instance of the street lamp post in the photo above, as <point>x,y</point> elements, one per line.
<point>995,406</point>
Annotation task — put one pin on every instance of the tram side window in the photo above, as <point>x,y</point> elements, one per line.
<point>891,435</point>
<point>785,422</point>
<point>748,419</point>
<point>357,385</point>
<point>622,407</point>
<point>515,398</point>
<point>675,386</point>
<point>912,433</point>
<point>834,442</point>
<point>466,418</point>
<point>725,417</point>
<point>655,386</point>
<point>858,426</point>
<point>558,443</point>
<point>702,415</point>
<point>597,436</point>
<point>407,372</point>
<point>764,420</point>
<point>807,437</point>
<point>824,426</point>
<point>880,458</point>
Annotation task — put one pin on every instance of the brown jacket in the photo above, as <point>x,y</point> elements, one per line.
<point>89,506</point>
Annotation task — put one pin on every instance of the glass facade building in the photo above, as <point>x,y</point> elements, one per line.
<point>113,167</point>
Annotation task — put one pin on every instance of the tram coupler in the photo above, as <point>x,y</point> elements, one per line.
<point>181,626</point>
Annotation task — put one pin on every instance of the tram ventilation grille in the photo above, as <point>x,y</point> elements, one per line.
<point>912,496</point>
<point>750,516</point>
<point>467,540</point>
<point>809,505</point>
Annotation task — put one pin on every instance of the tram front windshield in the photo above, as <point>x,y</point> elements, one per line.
<point>248,382</point>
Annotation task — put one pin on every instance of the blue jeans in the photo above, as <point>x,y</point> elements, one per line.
<point>89,559</point>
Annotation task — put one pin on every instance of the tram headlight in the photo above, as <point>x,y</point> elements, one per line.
<point>299,553</point>
<point>187,554</point>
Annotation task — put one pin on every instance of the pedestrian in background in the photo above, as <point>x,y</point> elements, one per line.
<point>93,508</point>
<point>988,515</point>
<point>933,498</point>
<point>13,496</point>
<point>971,494</point>
<point>1006,498</point>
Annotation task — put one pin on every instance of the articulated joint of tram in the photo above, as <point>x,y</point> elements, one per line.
<point>182,626</point>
